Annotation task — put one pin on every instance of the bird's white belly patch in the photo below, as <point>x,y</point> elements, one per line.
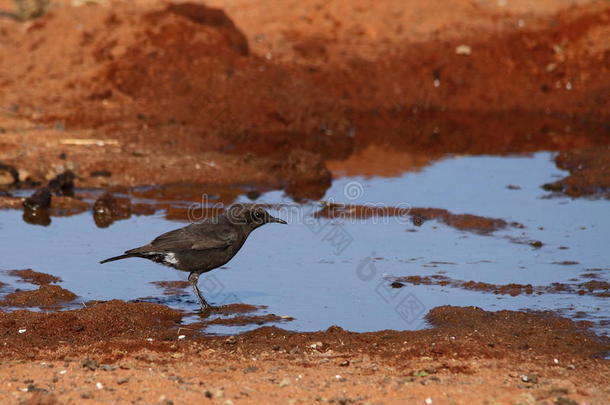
<point>170,258</point>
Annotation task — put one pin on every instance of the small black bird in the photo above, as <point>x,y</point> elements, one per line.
<point>205,245</point>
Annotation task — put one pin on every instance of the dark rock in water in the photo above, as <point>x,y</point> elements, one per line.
<point>37,216</point>
<point>63,184</point>
<point>40,200</point>
<point>108,209</point>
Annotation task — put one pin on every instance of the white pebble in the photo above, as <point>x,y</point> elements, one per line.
<point>436,83</point>
<point>99,385</point>
<point>556,361</point>
<point>63,372</point>
<point>181,337</point>
<point>428,401</point>
<point>149,339</point>
<point>463,50</point>
<point>22,330</point>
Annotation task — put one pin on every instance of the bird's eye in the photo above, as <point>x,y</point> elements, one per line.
<point>258,215</point>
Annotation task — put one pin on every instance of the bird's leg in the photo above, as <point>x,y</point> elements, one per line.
<point>194,278</point>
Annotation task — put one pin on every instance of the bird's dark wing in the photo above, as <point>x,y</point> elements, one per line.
<point>196,237</point>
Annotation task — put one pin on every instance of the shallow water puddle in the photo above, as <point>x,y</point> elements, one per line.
<point>324,272</point>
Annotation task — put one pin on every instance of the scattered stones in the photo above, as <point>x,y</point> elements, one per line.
<point>62,184</point>
<point>90,364</point>
<point>108,367</point>
<point>108,209</point>
<point>40,200</point>
<point>163,400</point>
<point>529,378</point>
<point>565,401</point>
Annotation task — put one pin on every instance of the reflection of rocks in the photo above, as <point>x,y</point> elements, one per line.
<point>108,209</point>
<point>172,287</point>
<point>37,217</point>
<point>305,175</point>
<point>36,208</point>
<point>39,207</point>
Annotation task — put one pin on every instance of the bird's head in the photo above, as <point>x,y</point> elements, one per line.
<point>252,216</point>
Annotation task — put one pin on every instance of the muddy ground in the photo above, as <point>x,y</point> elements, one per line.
<point>287,95</point>
<point>118,352</point>
<point>249,93</point>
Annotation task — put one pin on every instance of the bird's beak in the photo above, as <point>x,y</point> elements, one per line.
<point>279,221</point>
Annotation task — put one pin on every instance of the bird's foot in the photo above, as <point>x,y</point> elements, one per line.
<point>207,310</point>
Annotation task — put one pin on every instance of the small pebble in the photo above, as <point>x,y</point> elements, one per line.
<point>428,401</point>
<point>122,380</point>
<point>463,50</point>
<point>99,385</point>
<point>22,330</point>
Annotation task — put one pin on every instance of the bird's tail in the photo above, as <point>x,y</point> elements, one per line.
<point>111,259</point>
